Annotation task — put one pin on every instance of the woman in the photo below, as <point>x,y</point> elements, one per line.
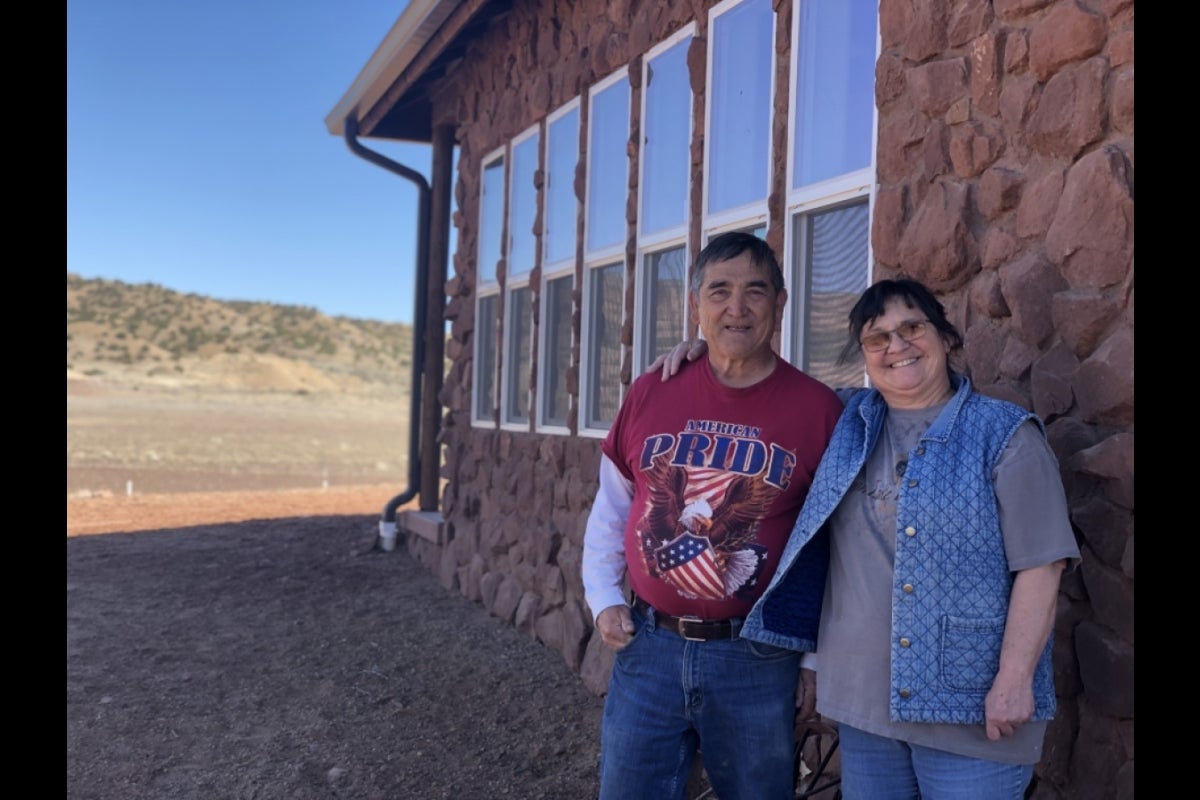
<point>949,534</point>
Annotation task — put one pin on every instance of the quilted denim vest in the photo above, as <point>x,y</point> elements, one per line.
<point>951,581</point>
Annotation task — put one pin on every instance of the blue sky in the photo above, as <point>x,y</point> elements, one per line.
<point>198,158</point>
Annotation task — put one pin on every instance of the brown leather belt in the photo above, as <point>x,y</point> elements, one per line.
<point>693,629</point>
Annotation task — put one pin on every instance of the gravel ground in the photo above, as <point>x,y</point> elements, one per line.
<point>288,658</point>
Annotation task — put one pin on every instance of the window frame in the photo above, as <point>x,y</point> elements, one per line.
<point>486,290</point>
<point>555,271</point>
<point>827,195</point>
<point>596,260</point>
<point>654,243</point>
<point>756,212</point>
<point>519,279</point>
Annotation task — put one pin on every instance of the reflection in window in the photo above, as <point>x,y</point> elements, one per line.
<point>834,262</point>
<point>556,355</point>
<point>665,274</point>
<point>835,88</point>
<point>740,118</point>
<point>517,358</point>
<point>523,209</point>
<point>562,146</point>
<point>485,359</point>
<point>666,130</point>
<point>604,346</point>
<point>491,223</point>
<point>608,167</point>
<point>558,274</point>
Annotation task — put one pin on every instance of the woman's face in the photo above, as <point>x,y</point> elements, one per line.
<point>909,374</point>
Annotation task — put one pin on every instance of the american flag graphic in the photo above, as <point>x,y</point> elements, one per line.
<point>688,562</point>
<point>707,484</point>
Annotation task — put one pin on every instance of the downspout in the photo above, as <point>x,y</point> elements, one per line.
<point>387,522</point>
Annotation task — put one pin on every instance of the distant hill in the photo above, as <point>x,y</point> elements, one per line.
<point>147,333</point>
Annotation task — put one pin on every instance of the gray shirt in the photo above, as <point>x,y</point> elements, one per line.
<point>853,656</point>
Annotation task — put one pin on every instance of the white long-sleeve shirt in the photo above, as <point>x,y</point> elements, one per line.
<point>603,565</point>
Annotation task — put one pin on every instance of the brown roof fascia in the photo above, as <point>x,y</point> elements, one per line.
<point>410,78</point>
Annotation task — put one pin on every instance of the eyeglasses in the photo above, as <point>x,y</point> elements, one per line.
<point>908,331</point>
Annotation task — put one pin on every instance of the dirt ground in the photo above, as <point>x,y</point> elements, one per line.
<point>233,632</point>
<point>284,657</point>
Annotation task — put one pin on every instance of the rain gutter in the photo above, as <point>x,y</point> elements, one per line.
<point>387,522</point>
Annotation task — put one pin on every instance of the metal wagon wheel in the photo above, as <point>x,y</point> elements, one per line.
<point>816,782</point>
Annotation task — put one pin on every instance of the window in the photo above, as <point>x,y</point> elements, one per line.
<point>487,289</point>
<point>556,350</point>
<point>664,193</point>
<point>608,166</point>
<point>603,398</point>
<point>661,326</point>
<point>606,233</point>
<point>740,81</point>
<point>834,103</point>
<point>522,254</point>
<point>518,330</point>
<point>666,137</point>
<point>832,247</point>
<point>558,267</point>
<point>832,177</point>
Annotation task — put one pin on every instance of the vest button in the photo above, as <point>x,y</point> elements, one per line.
<point>908,588</point>
<point>904,642</point>
<point>910,531</point>
<point>912,482</point>
<point>905,693</point>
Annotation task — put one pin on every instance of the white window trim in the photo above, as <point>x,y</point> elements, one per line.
<point>745,215</point>
<point>794,281</point>
<point>606,254</point>
<point>593,260</point>
<point>557,114</point>
<point>644,327</point>
<point>487,289</point>
<point>515,284</point>
<point>814,197</point>
<point>544,349</point>
<point>585,356</point>
<point>658,237</point>
<point>668,238</point>
<point>552,271</point>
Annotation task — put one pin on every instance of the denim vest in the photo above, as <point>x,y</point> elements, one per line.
<point>951,581</point>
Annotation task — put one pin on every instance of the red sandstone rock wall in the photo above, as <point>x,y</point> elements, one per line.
<point>1005,181</point>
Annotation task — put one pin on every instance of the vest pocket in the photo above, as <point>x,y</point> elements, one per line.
<point>969,652</point>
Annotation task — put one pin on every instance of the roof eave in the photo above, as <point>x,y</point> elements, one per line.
<point>410,34</point>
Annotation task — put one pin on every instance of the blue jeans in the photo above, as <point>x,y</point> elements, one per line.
<point>732,699</point>
<point>879,768</point>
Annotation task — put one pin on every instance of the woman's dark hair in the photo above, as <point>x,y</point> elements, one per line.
<point>913,294</point>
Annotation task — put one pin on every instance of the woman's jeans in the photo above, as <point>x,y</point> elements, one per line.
<point>879,768</point>
<point>732,699</point>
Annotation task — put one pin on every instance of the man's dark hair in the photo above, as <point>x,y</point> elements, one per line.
<point>731,245</point>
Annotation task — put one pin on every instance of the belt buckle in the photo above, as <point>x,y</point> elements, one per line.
<point>684,622</point>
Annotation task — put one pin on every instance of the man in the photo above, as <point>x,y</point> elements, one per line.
<point>701,480</point>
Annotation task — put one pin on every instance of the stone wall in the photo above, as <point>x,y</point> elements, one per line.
<point>1005,164</point>
<point>1005,170</point>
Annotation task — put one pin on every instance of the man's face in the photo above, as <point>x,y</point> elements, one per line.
<point>738,308</point>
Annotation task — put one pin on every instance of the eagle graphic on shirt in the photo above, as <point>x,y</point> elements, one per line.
<point>699,530</point>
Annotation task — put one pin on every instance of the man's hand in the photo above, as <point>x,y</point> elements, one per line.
<point>615,624</point>
<point>669,362</point>
<point>806,695</point>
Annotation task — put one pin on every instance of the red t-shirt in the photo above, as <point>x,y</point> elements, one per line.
<point>719,476</point>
